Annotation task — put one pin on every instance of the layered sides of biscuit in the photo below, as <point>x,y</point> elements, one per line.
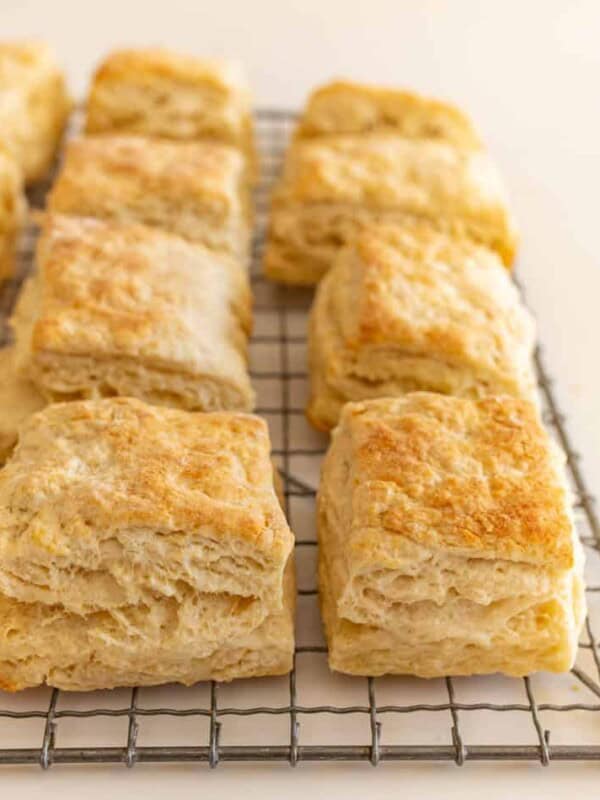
<point>127,310</point>
<point>34,106</point>
<point>343,107</point>
<point>142,545</point>
<point>408,307</point>
<point>12,212</point>
<point>197,190</point>
<point>158,93</point>
<point>446,541</point>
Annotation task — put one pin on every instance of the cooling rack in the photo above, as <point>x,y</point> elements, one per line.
<point>312,715</point>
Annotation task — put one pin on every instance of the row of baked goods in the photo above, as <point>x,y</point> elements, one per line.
<point>196,114</point>
<point>446,538</point>
<point>140,285</point>
<point>143,540</point>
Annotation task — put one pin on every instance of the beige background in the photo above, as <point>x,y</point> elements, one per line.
<point>529,72</point>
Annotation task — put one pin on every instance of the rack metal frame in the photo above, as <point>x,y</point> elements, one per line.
<point>273,127</point>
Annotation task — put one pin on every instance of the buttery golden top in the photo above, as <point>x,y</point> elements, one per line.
<point>224,77</point>
<point>385,171</point>
<point>85,468</point>
<point>128,290</point>
<point>109,173</point>
<point>477,477</point>
<point>343,107</point>
<point>433,295</point>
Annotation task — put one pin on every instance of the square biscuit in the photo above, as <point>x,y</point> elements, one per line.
<point>34,106</point>
<point>446,540</point>
<point>331,187</point>
<point>345,107</point>
<point>126,310</point>
<point>158,93</point>
<point>407,307</point>
<point>194,189</point>
<point>13,208</point>
<point>142,545</point>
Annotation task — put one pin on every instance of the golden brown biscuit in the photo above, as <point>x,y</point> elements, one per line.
<point>194,189</point>
<point>13,207</point>
<point>331,187</point>
<point>131,311</point>
<point>447,545</point>
<point>34,105</point>
<point>141,545</point>
<point>155,92</point>
<point>344,107</point>
<point>408,307</point>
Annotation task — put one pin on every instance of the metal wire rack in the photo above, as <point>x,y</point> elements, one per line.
<point>313,715</point>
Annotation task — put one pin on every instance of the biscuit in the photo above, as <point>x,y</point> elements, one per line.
<point>158,93</point>
<point>194,189</point>
<point>344,107</point>
<point>142,545</point>
<point>408,307</point>
<point>131,311</point>
<point>332,187</point>
<point>446,541</point>
<point>34,106</point>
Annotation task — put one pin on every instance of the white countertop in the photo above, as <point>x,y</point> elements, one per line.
<point>529,73</point>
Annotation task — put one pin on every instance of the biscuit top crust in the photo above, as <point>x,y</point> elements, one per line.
<point>481,478</point>
<point>120,170</point>
<point>431,293</point>
<point>344,107</point>
<point>382,171</point>
<point>144,64</point>
<point>128,290</point>
<point>85,468</point>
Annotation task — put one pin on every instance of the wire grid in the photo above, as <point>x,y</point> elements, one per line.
<point>393,719</point>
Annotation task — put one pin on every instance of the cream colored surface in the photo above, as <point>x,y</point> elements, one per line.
<point>197,190</point>
<point>12,212</point>
<point>447,545</point>
<point>131,311</point>
<point>408,307</point>
<point>34,105</point>
<point>332,186</point>
<point>141,545</point>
